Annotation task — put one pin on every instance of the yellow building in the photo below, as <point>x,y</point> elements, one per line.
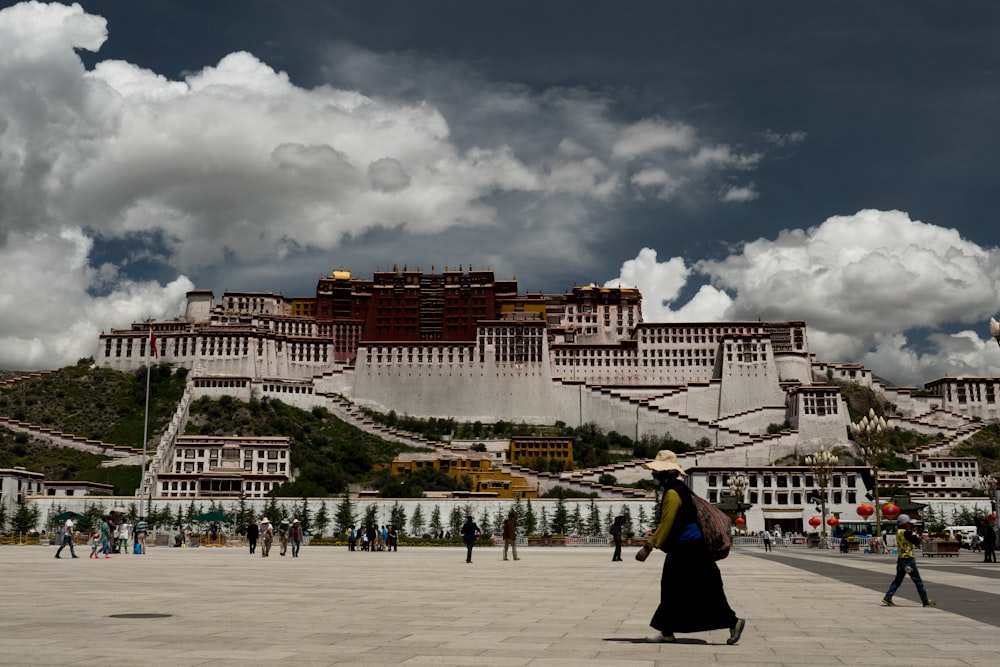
<point>527,449</point>
<point>302,307</point>
<point>474,465</point>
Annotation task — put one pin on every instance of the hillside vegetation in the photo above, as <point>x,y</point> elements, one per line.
<point>985,446</point>
<point>64,463</point>
<point>97,403</point>
<point>327,453</point>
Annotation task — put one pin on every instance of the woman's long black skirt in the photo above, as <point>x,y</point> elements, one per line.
<point>691,595</point>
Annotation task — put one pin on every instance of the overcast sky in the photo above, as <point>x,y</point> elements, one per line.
<point>830,162</point>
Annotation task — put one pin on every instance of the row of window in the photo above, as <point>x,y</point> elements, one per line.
<point>951,464</point>
<point>784,481</point>
<point>966,393</point>
<point>193,486</point>
<point>597,362</point>
<point>294,327</point>
<point>820,405</point>
<point>420,357</point>
<point>221,384</point>
<point>769,498</point>
<point>288,389</point>
<point>188,453</point>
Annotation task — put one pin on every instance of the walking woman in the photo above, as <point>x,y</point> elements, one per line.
<point>266,537</point>
<point>691,595</point>
<point>616,535</point>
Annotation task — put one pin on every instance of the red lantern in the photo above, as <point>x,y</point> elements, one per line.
<point>815,521</point>
<point>833,522</point>
<point>890,511</point>
<point>740,521</point>
<point>865,510</point>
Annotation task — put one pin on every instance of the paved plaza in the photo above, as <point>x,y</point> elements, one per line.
<point>426,606</point>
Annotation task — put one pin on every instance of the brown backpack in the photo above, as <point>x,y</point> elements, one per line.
<point>716,528</point>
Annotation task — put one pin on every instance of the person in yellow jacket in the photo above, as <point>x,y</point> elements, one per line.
<point>906,564</point>
<point>692,597</point>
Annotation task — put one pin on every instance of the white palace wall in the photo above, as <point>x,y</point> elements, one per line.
<point>467,390</point>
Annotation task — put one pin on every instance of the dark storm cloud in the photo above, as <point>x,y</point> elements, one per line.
<point>681,146</point>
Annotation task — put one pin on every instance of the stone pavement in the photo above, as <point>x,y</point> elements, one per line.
<point>556,606</point>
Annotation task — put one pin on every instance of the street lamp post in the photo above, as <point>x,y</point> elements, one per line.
<point>871,433</point>
<point>821,464</point>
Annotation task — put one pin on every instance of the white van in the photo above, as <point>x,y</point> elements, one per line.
<point>966,533</point>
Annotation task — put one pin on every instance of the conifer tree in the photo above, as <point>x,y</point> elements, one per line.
<point>25,517</point>
<point>455,520</point>
<point>593,520</point>
<point>397,516</point>
<point>417,522</point>
<point>530,520</point>
<point>345,515</point>
<point>322,519</point>
<point>436,525</point>
<point>371,515</point>
<point>560,520</point>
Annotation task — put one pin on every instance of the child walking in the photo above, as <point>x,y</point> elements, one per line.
<point>95,542</point>
<point>906,564</point>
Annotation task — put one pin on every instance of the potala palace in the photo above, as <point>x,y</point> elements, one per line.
<point>462,344</point>
<point>465,345</point>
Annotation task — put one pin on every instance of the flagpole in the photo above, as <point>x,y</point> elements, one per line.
<point>145,431</point>
<point>150,353</point>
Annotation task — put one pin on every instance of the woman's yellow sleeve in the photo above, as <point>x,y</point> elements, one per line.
<point>671,504</point>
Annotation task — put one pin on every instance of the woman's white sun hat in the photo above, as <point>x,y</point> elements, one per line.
<point>665,460</point>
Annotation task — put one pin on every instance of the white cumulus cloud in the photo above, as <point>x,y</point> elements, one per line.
<point>52,312</point>
<point>875,287</point>
<point>236,170</point>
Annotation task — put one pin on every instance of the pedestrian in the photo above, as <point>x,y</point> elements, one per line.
<point>283,536</point>
<point>370,533</point>
<point>765,537</point>
<point>95,541</point>
<point>906,564</point>
<point>141,531</point>
<point>352,539</point>
<point>470,531</point>
<point>393,539</point>
<point>253,533</point>
<point>67,537</point>
<point>266,537</point>
<point>106,533</point>
<point>124,532</point>
<point>989,542</point>
<point>616,535</point>
<point>692,598</point>
<point>510,535</point>
<point>295,535</point>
